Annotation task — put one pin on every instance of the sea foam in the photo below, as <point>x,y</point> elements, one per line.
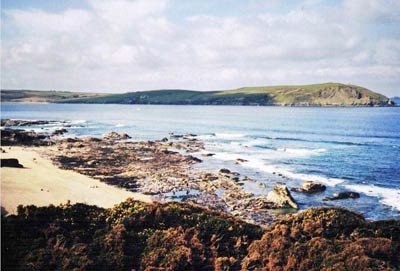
<point>301,152</point>
<point>229,135</point>
<point>387,196</point>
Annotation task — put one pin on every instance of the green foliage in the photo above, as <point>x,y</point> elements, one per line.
<point>177,236</point>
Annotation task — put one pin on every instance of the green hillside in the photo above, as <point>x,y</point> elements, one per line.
<point>37,96</point>
<point>327,94</point>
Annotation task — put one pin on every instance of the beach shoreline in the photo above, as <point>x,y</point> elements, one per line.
<point>171,168</point>
<point>108,170</point>
<point>41,183</point>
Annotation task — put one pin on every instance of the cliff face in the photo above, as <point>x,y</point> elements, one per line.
<point>328,94</point>
<point>174,236</point>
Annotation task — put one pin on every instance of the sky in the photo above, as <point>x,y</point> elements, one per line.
<point>129,45</point>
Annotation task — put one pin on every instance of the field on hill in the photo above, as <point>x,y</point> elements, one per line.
<point>38,96</point>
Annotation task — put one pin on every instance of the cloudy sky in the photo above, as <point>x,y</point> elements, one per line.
<point>128,45</point>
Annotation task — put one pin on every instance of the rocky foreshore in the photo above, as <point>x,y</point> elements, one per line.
<point>161,168</point>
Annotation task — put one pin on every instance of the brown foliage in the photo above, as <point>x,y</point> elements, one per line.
<point>176,236</point>
<point>325,239</point>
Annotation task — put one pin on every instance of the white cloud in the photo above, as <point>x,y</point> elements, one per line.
<point>131,45</point>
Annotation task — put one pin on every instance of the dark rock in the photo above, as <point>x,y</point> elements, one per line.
<point>310,187</point>
<point>236,179</point>
<point>240,160</point>
<point>344,195</point>
<point>8,122</point>
<point>224,170</point>
<point>60,131</point>
<point>164,139</point>
<point>169,152</point>
<point>194,159</point>
<point>116,136</point>
<point>208,154</point>
<point>14,137</point>
<point>175,136</point>
<point>91,139</point>
<point>70,140</point>
<point>11,162</point>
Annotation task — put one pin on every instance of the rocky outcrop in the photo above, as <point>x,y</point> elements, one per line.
<point>208,154</point>
<point>310,187</point>
<point>14,137</point>
<point>240,160</point>
<point>8,122</point>
<point>116,136</point>
<point>11,162</point>
<point>58,132</point>
<point>224,171</point>
<point>343,195</point>
<point>281,197</point>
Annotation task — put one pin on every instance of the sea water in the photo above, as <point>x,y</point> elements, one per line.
<point>347,149</point>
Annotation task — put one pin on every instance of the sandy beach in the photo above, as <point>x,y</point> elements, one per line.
<point>41,183</point>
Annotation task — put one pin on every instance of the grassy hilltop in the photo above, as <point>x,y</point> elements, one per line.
<point>327,94</point>
<point>38,96</point>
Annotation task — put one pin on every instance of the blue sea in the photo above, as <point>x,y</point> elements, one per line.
<point>347,149</point>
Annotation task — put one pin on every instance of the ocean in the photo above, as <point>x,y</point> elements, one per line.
<point>347,149</point>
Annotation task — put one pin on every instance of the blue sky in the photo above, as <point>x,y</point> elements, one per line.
<point>128,45</point>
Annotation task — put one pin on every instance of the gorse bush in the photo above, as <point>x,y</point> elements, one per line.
<point>176,236</point>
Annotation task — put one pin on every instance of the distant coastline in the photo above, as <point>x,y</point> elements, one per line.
<point>317,95</point>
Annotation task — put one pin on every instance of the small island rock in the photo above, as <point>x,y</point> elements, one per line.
<point>116,136</point>
<point>310,187</point>
<point>344,195</point>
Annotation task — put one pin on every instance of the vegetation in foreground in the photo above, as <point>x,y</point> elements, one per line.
<point>328,94</point>
<point>177,236</point>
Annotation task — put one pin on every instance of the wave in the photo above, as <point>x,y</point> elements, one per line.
<point>388,196</point>
<point>229,135</point>
<point>260,164</point>
<point>225,156</point>
<point>330,133</point>
<point>120,125</point>
<point>301,152</point>
<point>317,141</point>
<point>241,149</point>
<point>78,121</point>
